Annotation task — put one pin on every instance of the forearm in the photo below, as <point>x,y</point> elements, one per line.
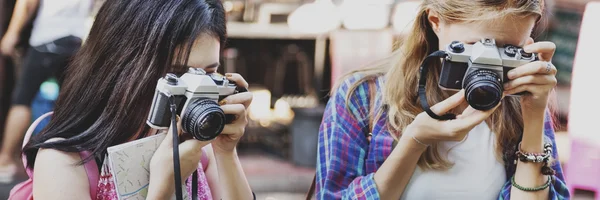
<point>394,174</point>
<point>529,174</point>
<point>161,190</point>
<point>232,179</point>
<point>22,13</point>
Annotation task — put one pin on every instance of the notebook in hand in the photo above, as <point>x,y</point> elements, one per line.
<point>129,165</point>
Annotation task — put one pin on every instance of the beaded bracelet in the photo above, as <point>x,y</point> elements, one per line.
<point>535,157</point>
<point>546,185</point>
<point>538,158</point>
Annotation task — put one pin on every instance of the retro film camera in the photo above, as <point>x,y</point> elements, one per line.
<point>195,94</point>
<point>481,70</point>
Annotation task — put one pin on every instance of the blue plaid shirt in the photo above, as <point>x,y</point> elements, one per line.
<point>347,162</point>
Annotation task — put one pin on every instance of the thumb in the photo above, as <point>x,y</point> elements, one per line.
<point>168,141</point>
<point>472,117</point>
<point>450,103</point>
<point>192,146</point>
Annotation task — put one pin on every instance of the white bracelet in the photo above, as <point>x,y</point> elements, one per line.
<point>414,138</point>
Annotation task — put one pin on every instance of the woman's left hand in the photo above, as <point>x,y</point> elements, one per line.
<point>237,105</point>
<point>538,78</point>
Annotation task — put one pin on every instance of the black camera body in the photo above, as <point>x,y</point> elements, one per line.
<point>481,69</point>
<point>196,95</point>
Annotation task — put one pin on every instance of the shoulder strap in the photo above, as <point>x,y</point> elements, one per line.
<point>93,173</point>
<point>33,126</point>
<point>372,95</point>
<point>28,137</point>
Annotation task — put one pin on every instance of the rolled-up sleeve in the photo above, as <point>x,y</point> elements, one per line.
<point>558,189</point>
<point>342,147</point>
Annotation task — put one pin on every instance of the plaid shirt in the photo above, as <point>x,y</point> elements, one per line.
<point>346,161</point>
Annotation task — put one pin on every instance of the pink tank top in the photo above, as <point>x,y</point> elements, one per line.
<point>101,185</point>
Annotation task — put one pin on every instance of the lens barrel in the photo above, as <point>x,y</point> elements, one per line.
<point>483,89</point>
<point>203,119</point>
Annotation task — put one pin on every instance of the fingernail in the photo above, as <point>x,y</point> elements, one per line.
<point>511,74</point>
<point>527,48</point>
<point>505,86</point>
<point>228,75</point>
<point>223,102</point>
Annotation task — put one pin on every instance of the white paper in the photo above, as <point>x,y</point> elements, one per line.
<point>129,164</point>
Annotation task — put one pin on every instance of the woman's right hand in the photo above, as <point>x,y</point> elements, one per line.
<point>161,165</point>
<point>429,131</point>
<point>8,44</point>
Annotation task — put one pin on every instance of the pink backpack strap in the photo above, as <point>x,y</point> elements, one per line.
<point>204,160</point>
<point>28,136</point>
<point>91,168</point>
<point>93,173</point>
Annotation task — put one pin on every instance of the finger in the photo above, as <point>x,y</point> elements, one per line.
<point>468,111</point>
<point>535,90</point>
<point>544,49</point>
<point>244,98</point>
<point>530,79</point>
<point>234,129</point>
<point>473,119</point>
<point>537,67</point>
<point>239,125</point>
<point>529,41</point>
<point>450,103</point>
<point>235,109</point>
<point>239,80</point>
<point>193,146</point>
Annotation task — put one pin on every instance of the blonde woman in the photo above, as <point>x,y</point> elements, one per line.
<point>406,154</point>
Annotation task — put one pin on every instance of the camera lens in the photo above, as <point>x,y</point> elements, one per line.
<point>483,89</point>
<point>203,119</point>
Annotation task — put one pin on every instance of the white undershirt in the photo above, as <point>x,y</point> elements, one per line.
<point>60,18</point>
<point>476,174</point>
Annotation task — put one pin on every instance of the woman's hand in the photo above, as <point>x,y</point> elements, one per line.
<point>537,78</point>
<point>235,104</point>
<point>428,130</point>
<point>8,44</point>
<point>161,165</point>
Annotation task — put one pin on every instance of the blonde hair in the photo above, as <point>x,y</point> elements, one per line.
<point>399,92</point>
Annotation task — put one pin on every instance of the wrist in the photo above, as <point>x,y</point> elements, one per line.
<point>12,35</point>
<point>412,141</point>
<point>533,132</point>
<point>160,189</point>
<point>225,154</point>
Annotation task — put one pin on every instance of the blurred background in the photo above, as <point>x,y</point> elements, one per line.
<point>292,51</point>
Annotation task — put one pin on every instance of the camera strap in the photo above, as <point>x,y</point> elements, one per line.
<point>423,81</point>
<point>176,164</point>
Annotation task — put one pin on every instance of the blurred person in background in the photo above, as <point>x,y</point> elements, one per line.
<point>56,35</point>
<point>406,154</point>
<point>107,95</point>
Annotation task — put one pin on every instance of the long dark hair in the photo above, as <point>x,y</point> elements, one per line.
<point>109,86</point>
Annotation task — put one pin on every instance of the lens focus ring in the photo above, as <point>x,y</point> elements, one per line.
<point>203,119</point>
<point>483,89</point>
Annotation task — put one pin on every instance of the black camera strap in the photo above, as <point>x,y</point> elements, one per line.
<point>176,164</point>
<point>423,81</point>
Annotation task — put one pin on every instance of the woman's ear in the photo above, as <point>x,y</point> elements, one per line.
<point>434,20</point>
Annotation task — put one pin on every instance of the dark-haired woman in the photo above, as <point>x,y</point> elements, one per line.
<point>107,96</point>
